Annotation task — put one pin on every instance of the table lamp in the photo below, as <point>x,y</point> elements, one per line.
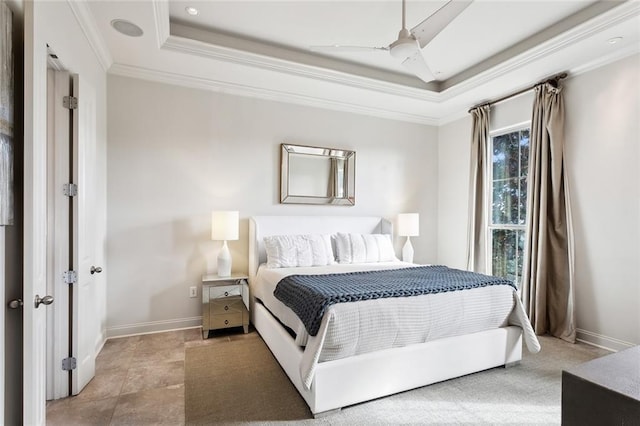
<point>408,226</point>
<point>224,227</point>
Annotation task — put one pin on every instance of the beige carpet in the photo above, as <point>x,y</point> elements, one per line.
<point>237,381</point>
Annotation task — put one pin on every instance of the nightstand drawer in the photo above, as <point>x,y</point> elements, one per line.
<point>226,320</point>
<point>227,305</point>
<point>224,291</point>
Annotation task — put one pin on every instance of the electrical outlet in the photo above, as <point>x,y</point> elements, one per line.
<point>193,291</point>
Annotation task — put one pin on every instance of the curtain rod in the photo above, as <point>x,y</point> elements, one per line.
<point>551,80</point>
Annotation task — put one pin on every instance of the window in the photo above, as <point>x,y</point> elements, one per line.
<point>507,219</point>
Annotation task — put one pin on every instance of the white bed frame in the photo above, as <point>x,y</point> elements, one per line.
<point>348,381</point>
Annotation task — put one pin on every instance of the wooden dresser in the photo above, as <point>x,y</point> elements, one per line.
<point>604,391</point>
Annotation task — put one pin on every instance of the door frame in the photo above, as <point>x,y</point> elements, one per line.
<point>4,301</point>
<point>36,36</point>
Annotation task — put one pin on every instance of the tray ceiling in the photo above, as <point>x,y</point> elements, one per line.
<point>262,48</point>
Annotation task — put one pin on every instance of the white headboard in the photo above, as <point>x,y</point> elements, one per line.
<point>263,226</point>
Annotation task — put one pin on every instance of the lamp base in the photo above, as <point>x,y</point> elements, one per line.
<point>224,261</point>
<point>407,251</point>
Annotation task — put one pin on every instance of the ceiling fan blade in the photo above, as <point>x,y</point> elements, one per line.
<point>418,66</point>
<point>340,48</point>
<point>426,30</point>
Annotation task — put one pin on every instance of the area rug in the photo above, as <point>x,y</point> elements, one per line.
<point>239,382</point>
<point>232,381</point>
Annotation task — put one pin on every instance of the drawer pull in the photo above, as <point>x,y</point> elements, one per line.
<point>226,308</point>
<point>226,293</point>
<point>226,322</point>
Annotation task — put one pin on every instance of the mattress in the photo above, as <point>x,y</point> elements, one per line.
<point>355,328</point>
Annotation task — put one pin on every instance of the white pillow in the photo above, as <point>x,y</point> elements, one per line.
<point>290,251</point>
<point>362,248</point>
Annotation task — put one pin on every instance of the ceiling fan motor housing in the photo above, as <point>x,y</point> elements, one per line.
<point>404,47</point>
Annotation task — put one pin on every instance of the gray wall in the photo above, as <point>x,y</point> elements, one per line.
<point>602,157</point>
<point>603,151</point>
<point>175,154</point>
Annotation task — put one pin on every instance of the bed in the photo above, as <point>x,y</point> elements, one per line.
<point>328,379</point>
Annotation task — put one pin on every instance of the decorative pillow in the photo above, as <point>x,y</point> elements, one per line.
<point>290,251</point>
<point>361,248</point>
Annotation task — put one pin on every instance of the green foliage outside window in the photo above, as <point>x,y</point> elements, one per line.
<point>510,161</point>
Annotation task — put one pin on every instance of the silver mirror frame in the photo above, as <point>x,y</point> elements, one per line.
<point>341,156</point>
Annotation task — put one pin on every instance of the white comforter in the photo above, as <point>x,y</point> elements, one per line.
<point>354,328</point>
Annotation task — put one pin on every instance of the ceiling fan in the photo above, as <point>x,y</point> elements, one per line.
<point>408,47</point>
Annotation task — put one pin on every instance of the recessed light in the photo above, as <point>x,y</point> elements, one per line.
<point>127,28</point>
<point>615,40</point>
<point>191,10</point>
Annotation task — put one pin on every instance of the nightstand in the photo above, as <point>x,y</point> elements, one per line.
<point>225,303</point>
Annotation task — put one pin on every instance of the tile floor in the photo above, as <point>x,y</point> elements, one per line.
<point>139,381</point>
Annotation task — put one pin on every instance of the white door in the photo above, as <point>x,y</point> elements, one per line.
<point>35,221</point>
<point>71,237</point>
<point>86,325</point>
<point>59,231</point>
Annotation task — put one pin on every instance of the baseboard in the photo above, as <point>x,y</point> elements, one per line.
<point>601,341</point>
<point>153,327</point>
<point>101,340</point>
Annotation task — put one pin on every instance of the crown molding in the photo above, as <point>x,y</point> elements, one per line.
<point>586,29</point>
<point>226,54</point>
<point>572,72</point>
<point>165,40</point>
<point>280,96</point>
<point>265,94</point>
<point>161,20</point>
<point>605,60</point>
<point>88,25</point>
<point>580,32</point>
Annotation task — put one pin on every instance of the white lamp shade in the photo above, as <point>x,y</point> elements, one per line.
<point>224,226</point>
<point>408,225</point>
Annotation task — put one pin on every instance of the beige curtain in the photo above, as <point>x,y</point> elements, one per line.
<point>477,231</point>
<point>547,278</point>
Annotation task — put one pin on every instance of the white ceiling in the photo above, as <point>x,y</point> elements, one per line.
<point>261,48</point>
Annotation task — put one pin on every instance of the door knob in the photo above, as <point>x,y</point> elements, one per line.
<point>46,300</point>
<point>15,303</point>
<point>95,270</point>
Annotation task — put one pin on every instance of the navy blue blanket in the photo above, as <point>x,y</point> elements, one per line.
<point>309,296</point>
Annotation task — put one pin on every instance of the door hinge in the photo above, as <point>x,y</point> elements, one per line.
<point>70,277</point>
<point>69,364</point>
<point>70,189</point>
<point>70,102</point>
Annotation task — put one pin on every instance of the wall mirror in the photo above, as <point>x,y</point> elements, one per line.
<point>313,175</point>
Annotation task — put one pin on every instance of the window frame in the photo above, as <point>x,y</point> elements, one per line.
<point>490,226</point>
